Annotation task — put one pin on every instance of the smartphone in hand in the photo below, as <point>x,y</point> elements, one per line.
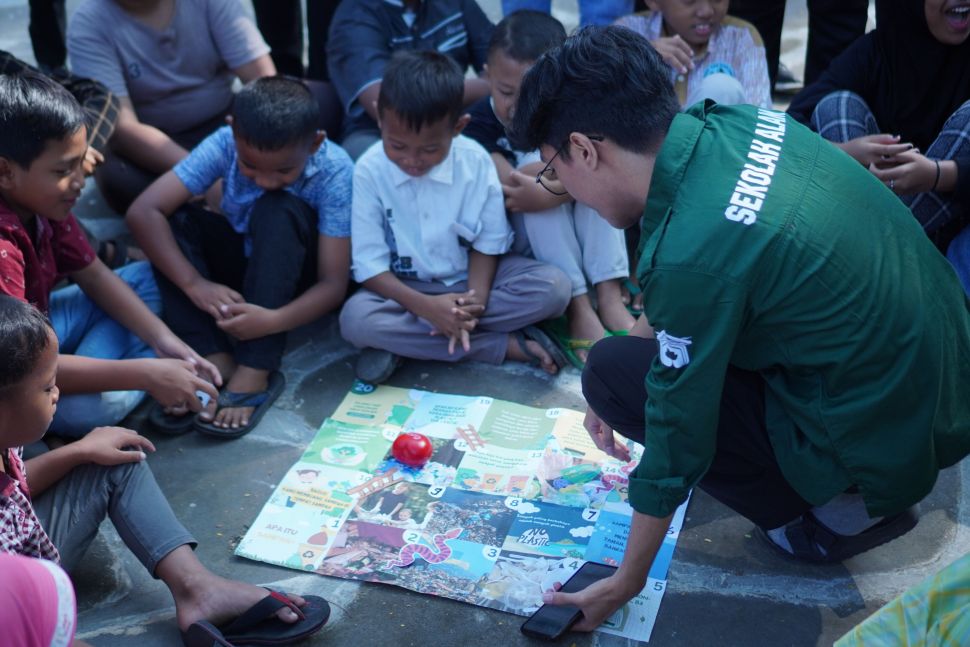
<point>550,622</point>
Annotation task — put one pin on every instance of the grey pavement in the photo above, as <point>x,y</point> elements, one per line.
<point>724,587</point>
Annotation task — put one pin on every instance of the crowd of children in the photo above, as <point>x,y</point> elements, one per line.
<point>254,220</point>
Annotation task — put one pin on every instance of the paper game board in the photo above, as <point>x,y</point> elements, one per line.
<point>513,499</point>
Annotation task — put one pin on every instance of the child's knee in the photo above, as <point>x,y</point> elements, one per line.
<point>355,320</point>
<point>274,208</point>
<point>141,279</point>
<point>722,88</point>
<point>834,105</point>
<point>78,414</point>
<point>556,288</point>
<point>959,119</point>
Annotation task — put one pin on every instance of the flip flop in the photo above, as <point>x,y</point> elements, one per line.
<point>116,257</point>
<point>558,331</point>
<point>532,333</point>
<point>261,400</point>
<point>259,625</point>
<point>166,423</point>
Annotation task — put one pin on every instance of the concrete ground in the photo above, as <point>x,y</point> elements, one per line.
<point>724,587</point>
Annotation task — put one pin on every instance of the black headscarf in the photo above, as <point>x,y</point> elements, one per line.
<point>911,81</point>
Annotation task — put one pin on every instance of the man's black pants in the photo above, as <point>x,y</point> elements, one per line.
<point>744,475</point>
<point>281,265</point>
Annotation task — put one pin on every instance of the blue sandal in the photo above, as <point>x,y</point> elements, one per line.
<point>261,400</point>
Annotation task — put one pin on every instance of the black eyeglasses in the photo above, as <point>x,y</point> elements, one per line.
<point>548,174</point>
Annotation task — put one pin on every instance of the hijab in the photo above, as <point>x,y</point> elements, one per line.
<point>918,82</point>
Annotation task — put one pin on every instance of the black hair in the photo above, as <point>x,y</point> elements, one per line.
<point>422,88</point>
<point>606,81</point>
<point>33,111</point>
<point>24,336</point>
<point>274,112</point>
<point>526,35</point>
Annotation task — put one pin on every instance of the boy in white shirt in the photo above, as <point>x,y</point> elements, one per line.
<point>429,238</point>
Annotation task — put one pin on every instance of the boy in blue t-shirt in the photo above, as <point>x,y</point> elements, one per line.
<point>276,257</point>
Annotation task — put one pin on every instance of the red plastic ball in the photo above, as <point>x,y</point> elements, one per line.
<point>412,449</point>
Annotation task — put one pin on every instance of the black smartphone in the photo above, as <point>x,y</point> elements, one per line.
<point>551,622</point>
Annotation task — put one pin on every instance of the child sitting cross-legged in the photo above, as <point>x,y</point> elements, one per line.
<point>276,257</point>
<point>430,238</point>
<point>549,224</point>
<point>114,346</point>
<point>51,507</point>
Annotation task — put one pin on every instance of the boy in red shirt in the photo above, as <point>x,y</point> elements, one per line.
<point>114,347</point>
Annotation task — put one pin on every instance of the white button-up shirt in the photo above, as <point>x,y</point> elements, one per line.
<point>421,227</point>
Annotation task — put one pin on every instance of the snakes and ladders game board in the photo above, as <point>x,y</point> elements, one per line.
<point>513,499</point>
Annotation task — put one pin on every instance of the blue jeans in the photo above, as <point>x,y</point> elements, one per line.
<point>591,12</point>
<point>72,509</point>
<point>83,328</point>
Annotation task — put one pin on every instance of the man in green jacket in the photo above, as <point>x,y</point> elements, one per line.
<point>804,353</point>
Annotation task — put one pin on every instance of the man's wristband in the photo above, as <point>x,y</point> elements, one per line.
<point>936,182</point>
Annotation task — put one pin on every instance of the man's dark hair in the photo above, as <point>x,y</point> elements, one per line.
<point>422,88</point>
<point>23,338</point>
<point>526,35</point>
<point>33,111</point>
<point>274,112</point>
<point>606,81</point>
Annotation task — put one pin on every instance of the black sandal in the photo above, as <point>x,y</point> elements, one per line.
<point>532,333</point>
<point>812,541</point>
<point>261,401</point>
<point>113,253</point>
<point>169,424</point>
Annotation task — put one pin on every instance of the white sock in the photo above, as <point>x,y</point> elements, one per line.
<point>846,515</point>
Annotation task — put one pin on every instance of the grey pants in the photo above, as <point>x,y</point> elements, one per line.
<point>524,292</point>
<point>72,509</point>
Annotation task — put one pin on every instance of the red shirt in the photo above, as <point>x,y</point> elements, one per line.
<point>29,267</point>
<point>20,529</point>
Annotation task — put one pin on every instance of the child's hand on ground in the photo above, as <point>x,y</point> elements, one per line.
<point>113,446</point>
<point>907,172</point>
<point>92,159</point>
<point>170,346</point>
<point>874,149</point>
<point>675,52</point>
<point>602,436</point>
<point>174,382</point>
<point>210,297</point>
<point>247,320</point>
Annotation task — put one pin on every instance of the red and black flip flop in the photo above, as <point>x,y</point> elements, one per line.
<point>259,625</point>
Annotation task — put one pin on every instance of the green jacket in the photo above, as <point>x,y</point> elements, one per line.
<point>767,248</point>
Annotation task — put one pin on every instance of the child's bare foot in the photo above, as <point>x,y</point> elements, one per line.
<point>516,353</point>
<point>612,312</point>
<point>226,365</point>
<point>244,380</point>
<point>583,324</point>
<point>219,601</point>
